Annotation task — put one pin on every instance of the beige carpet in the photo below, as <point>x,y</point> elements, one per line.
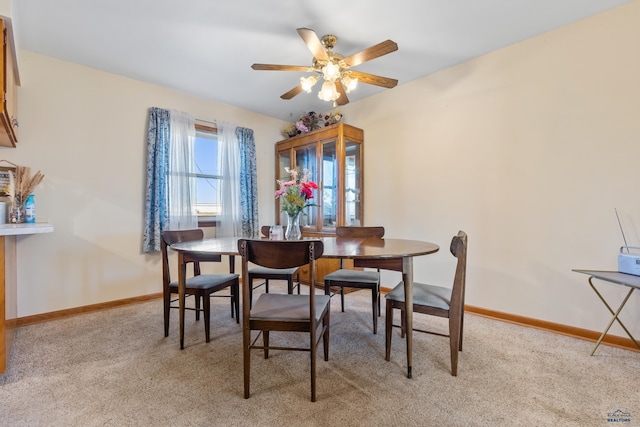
<point>115,368</point>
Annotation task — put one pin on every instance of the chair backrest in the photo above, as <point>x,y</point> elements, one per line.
<point>264,230</point>
<point>459,250</point>
<point>169,237</point>
<point>277,254</point>
<point>360,232</point>
<point>376,231</point>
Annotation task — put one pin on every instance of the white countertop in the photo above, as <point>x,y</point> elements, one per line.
<point>20,229</point>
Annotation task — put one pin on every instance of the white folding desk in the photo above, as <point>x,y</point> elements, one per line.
<point>629,280</point>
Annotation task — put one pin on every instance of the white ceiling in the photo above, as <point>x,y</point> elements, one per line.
<point>206,47</point>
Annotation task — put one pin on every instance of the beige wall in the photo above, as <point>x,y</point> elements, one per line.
<point>528,149</point>
<point>86,131</point>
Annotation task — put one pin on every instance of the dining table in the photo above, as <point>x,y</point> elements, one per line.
<point>384,253</point>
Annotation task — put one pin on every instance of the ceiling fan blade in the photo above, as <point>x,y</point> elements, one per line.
<point>313,43</point>
<point>370,53</point>
<point>372,79</point>
<point>293,92</point>
<point>342,99</point>
<point>274,67</point>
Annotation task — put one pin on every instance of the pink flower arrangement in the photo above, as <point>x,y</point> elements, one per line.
<point>295,194</point>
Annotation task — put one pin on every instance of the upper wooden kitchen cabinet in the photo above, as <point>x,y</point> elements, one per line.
<point>10,81</point>
<point>334,155</point>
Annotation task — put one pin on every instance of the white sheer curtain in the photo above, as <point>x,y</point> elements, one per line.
<point>230,221</point>
<point>182,182</point>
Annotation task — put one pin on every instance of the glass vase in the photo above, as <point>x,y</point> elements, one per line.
<point>293,227</point>
<point>16,212</point>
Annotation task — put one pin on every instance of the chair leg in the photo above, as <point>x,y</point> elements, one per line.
<point>454,343</point>
<point>313,365</point>
<point>197,307</point>
<point>246,359</point>
<point>167,302</point>
<point>250,293</point>
<point>265,343</point>
<point>206,302</point>
<point>388,327</point>
<point>403,325</point>
<point>461,329</point>
<point>342,298</point>
<point>374,309</point>
<point>231,301</point>
<point>290,285</point>
<point>235,299</point>
<point>234,296</point>
<point>379,303</point>
<point>325,337</point>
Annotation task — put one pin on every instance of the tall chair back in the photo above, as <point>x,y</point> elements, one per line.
<point>355,232</point>
<point>282,312</point>
<point>201,286</point>
<point>440,301</point>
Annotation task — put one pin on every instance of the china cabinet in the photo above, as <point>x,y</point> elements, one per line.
<point>334,155</point>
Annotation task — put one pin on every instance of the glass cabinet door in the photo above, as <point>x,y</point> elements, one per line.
<point>353,183</point>
<point>306,159</point>
<point>284,162</point>
<point>329,188</point>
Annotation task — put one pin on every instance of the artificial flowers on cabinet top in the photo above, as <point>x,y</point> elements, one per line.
<point>311,121</point>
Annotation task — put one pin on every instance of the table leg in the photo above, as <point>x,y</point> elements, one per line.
<point>182,274</point>
<point>232,264</point>
<point>615,316</point>
<point>407,278</point>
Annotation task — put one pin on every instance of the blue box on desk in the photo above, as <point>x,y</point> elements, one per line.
<point>627,262</point>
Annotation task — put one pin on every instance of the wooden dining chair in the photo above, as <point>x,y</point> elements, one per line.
<point>201,286</point>
<point>360,279</point>
<point>282,312</point>
<point>290,275</point>
<point>435,301</point>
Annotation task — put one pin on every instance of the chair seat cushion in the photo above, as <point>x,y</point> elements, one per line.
<point>287,307</point>
<point>423,294</point>
<point>272,271</point>
<point>344,275</point>
<point>206,281</point>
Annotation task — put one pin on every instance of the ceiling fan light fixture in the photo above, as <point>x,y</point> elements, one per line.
<point>349,83</point>
<point>328,91</point>
<point>308,83</point>
<point>333,68</point>
<point>331,71</point>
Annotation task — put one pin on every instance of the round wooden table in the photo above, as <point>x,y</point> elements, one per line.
<point>387,254</point>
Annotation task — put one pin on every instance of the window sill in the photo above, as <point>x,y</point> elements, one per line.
<point>207,222</point>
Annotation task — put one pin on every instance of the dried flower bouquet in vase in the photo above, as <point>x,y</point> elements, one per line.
<point>21,185</point>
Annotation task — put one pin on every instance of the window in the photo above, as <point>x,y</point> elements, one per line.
<point>208,176</point>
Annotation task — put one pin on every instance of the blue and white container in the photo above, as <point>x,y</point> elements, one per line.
<point>30,209</point>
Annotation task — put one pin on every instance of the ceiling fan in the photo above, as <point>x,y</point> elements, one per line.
<point>334,68</point>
